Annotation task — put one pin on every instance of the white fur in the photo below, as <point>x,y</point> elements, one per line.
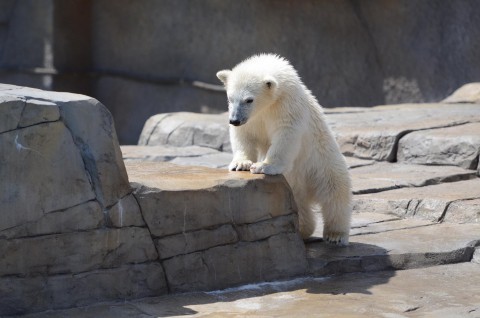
<point>282,130</point>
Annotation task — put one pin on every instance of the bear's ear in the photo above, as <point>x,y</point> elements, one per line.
<point>270,82</point>
<point>223,75</point>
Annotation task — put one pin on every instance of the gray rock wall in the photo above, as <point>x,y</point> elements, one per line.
<point>73,231</point>
<point>141,58</point>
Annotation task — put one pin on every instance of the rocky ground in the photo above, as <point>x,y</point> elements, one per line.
<point>415,240</point>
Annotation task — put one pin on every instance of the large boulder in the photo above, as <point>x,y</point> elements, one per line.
<point>73,230</point>
<point>70,231</point>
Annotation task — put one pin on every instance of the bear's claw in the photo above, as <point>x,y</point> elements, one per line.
<point>340,239</point>
<point>243,165</point>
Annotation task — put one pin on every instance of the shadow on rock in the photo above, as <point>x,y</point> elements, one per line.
<point>335,270</point>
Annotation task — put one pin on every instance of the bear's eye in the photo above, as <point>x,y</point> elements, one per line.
<point>249,100</point>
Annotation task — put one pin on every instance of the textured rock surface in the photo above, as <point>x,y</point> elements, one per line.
<point>374,134</point>
<point>98,147</point>
<point>64,291</point>
<point>201,220</point>
<point>387,176</point>
<point>457,146</point>
<point>39,163</point>
<point>186,129</point>
<point>429,202</point>
<point>63,184</point>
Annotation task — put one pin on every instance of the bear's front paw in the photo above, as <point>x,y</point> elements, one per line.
<point>242,165</point>
<point>336,238</point>
<point>265,168</point>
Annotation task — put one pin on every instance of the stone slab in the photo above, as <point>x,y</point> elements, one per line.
<point>468,93</point>
<point>463,211</point>
<point>387,247</point>
<point>176,199</point>
<point>20,295</point>
<point>163,153</point>
<point>55,169</point>
<point>371,223</point>
<point>217,160</point>
<point>458,146</point>
<point>387,176</point>
<point>429,202</point>
<point>186,129</point>
<point>76,252</point>
<point>441,291</point>
<point>353,162</point>
<point>374,134</point>
<point>188,155</point>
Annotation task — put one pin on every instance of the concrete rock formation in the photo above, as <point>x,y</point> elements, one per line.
<point>73,230</point>
<point>78,226</point>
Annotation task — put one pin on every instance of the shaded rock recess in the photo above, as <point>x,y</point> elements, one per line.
<point>79,226</point>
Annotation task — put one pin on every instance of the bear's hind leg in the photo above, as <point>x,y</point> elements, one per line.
<point>336,220</point>
<point>306,219</point>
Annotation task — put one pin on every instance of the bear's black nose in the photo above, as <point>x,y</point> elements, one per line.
<point>235,122</point>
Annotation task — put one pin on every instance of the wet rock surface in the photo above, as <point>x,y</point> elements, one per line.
<point>168,228</point>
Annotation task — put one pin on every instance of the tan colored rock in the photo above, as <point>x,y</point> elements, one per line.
<point>76,252</point>
<point>42,171</point>
<point>468,93</point>
<point>458,146</point>
<point>429,202</point>
<point>202,220</point>
<point>176,199</point>
<point>387,176</point>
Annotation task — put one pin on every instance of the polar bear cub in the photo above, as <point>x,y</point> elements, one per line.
<point>278,127</point>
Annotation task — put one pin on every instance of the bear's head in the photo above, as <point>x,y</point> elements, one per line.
<point>249,92</point>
